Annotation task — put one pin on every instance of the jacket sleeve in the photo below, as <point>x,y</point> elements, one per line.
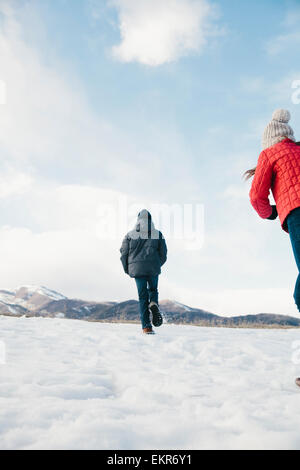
<point>162,249</point>
<point>124,253</point>
<point>261,185</point>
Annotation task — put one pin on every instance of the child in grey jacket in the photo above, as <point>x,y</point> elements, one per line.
<point>143,253</point>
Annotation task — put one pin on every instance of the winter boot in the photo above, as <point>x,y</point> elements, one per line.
<point>148,331</point>
<point>157,318</point>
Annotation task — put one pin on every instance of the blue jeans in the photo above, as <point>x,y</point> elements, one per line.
<point>147,290</point>
<point>293,223</point>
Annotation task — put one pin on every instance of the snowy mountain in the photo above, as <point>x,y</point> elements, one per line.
<point>41,301</point>
<point>36,301</point>
<point>27,299</point>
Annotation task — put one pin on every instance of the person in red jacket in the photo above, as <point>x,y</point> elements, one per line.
<point>278,170</point>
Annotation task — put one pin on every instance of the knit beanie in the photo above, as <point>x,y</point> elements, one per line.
<point>278,129</point>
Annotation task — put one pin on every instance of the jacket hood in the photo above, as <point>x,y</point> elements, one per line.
<point>144,214</point>
<point>144,222</point>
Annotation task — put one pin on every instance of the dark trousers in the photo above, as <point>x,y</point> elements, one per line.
<point>293,222</point>
<point>147,290</point>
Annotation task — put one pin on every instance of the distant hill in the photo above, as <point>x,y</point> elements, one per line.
<point>181,314</point>
<point>35,301</point>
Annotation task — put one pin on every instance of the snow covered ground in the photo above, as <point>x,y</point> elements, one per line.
<point>69,384</point>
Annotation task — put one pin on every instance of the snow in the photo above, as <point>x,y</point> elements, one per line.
<point>69,384</point>
<point>12,310</point>
<point>60,315</point>
<point>7,297</point>
<point>187,309</point>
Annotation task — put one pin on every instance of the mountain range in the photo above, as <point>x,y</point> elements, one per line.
<point>35,301</point>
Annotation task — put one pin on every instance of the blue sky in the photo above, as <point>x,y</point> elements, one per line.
<point>156,102</point>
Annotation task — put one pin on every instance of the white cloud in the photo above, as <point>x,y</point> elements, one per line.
<point>13,182</point>
<point>283,42</point>
<point>46,122</point>
<point>253,84</point>
<point>72,261</point>
<point>280,92</point>
<point>292,16</point>
<point>235,302</point>
<point>154,32</point>
<point>60,246</point>
<point>289,39</point>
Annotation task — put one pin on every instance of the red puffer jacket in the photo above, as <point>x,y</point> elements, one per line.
<point>278,169</point>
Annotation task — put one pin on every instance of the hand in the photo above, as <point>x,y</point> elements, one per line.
<point>274,214</point>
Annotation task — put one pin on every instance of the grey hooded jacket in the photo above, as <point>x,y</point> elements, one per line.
<point>144,249</point>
